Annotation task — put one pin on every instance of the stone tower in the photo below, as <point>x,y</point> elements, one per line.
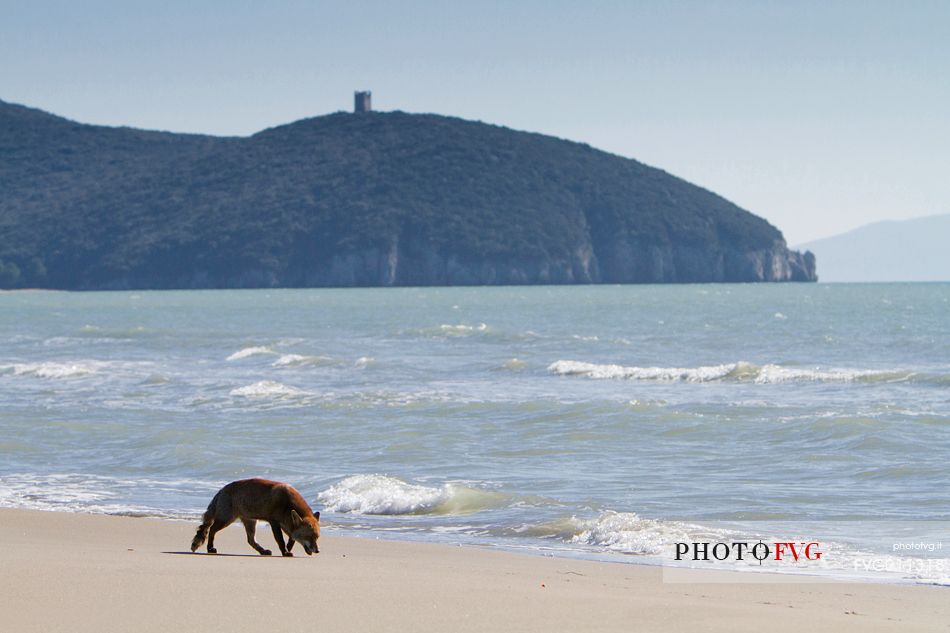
<point>362,101</point>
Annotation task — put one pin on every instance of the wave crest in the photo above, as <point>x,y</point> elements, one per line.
<point>462,329</point>
<point>54,370</point>
<point>693,374</point>
<point>738,372</point>
<point>451,330</point>
<point>621,532</point>
<point>628,533</point>
<point>268,389</point>
<point>382,494</point>
<point>298,360</point>
<point>250,351</point>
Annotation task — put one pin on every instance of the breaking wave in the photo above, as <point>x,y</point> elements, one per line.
<point>737,372</point>
<point>381,494</point>
<point>628,533</point>
<point>268,389</point>
<point>620,532</point>
<point>462,329</point>
<point>250,351</point>
<point>54,370</point>
<point>298,360</point>
<point>85,493</point>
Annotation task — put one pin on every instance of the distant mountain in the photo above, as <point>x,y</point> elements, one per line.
<point>908,250</point>
<point>370,199</point>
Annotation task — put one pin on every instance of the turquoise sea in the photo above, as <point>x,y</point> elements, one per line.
<point>597,421</point>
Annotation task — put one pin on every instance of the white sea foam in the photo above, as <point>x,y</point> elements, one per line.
<point>622,532</point>
<point>379,494</point>
<point>86,341</point>
<point>74,493</point>
<point>250,351</point>
<point>365,361</point>
<point>45,492</point>
<point>739,372</point>
<point>290,360</point>
<point>593,370</point>
<point>55,370</point>
<point>382,494</point>
<point>628,533</point>
<point>462,329</point>
<point>298,360</point>
<point>268,389</point>
<point>771,374</point>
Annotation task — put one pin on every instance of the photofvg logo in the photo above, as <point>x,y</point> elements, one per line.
<point>749,552</point>
<point>723,560</point>
<point>845,550</point>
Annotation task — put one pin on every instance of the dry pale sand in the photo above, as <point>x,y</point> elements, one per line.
<point>70,572</point>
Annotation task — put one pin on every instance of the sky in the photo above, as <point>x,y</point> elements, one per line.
<point>818,116</point>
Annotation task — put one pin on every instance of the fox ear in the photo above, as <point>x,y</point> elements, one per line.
<point>316,515</point>
<point>295,519</point>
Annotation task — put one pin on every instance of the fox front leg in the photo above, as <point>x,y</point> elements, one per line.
<point>279,537</point>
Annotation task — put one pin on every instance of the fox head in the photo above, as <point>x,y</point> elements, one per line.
<point>306,531</point>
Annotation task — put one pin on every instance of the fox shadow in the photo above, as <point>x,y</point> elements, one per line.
<point>219,555</point>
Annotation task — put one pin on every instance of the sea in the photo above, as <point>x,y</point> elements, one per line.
<point>619,423</point>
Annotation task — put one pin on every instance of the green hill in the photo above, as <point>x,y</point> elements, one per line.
<point>356,200</point>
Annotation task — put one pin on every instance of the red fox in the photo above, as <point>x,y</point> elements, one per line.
<point>252,500</point>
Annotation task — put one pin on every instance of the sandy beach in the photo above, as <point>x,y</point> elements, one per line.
<point>73,572</point>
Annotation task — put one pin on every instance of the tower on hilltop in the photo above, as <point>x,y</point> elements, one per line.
<point>362,101</point>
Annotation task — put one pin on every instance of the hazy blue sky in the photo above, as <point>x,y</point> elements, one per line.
<point>819,116</point>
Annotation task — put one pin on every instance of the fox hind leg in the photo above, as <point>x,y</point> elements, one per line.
<point>216,527</point>
<point>207,520</point>
<point>250,525</point>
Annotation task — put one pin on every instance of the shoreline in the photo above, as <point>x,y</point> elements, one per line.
<point>84,572</point>
<point>746,576</point>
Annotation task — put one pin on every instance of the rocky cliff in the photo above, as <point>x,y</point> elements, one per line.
<point>374,199</point>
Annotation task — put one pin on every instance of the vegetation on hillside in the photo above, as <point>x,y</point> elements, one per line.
<point>85,206</point>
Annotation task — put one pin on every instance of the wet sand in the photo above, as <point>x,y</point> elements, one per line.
<point>72,572</point>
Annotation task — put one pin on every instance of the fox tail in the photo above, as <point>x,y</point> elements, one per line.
<point>206,522</point>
